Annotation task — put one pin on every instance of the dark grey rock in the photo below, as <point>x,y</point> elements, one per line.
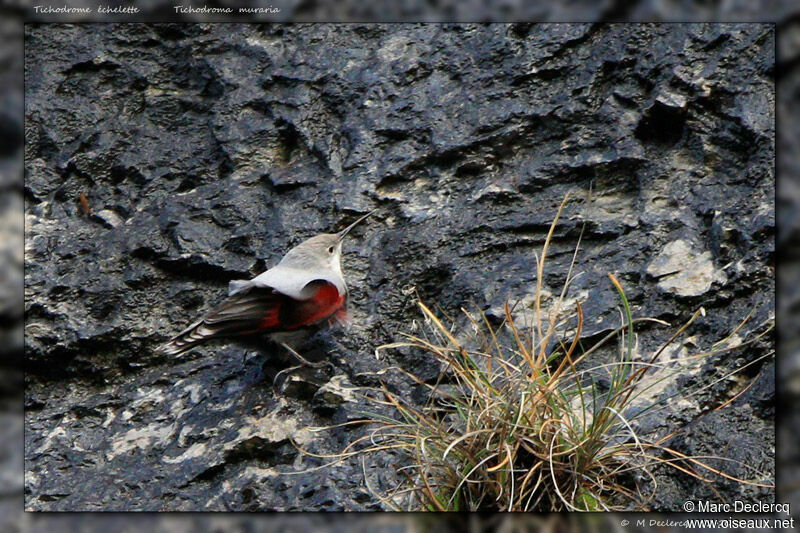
<point>738,437</point>
<point>206,151</point>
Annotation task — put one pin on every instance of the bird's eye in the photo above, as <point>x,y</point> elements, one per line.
<point>330,250</point>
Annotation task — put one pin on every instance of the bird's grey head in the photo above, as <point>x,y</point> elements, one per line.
<point>321,252</point>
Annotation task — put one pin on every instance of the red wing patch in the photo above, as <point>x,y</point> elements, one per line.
<point>324,304</point>
<point>271,318</point>
<point>265,310</point>
<point>261,310</point>
<point>247,312</point>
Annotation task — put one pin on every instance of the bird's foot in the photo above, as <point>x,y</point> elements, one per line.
<point>299,381</point>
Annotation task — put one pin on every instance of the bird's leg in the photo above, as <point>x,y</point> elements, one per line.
<point>303,360</point>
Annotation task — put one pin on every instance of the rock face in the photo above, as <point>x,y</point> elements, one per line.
<point>163,161</point>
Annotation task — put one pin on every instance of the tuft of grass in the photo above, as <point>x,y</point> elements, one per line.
<point>520,419</point>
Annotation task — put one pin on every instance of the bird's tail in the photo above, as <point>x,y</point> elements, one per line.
<point>187,339</point>
<point>244,312</point>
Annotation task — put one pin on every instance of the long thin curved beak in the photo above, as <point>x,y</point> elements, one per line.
<point>353,225</point>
